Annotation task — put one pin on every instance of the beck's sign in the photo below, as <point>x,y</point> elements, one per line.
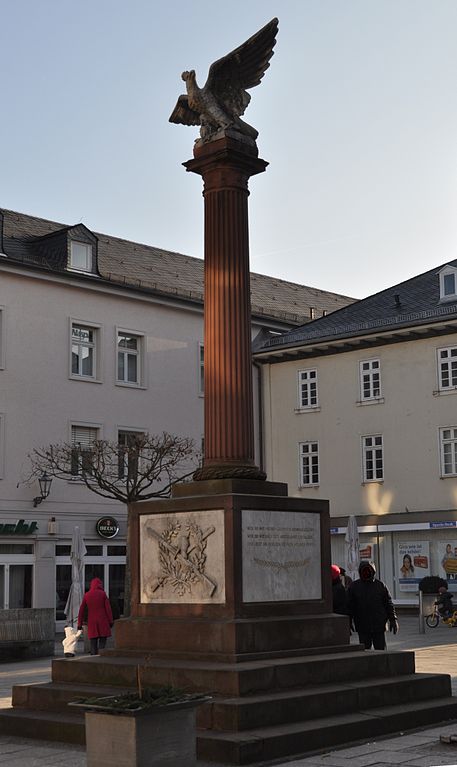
<point>107,527</point>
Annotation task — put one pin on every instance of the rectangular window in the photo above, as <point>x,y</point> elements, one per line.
<point>309,463</point>
<point>2,444</point>
<point>307,389</point>
<point>370,379</point>
<point>2,337</point>
<point>82,439</point>
<point>448,448</point>
<point>373,458</point>
<point>129,452</point>
<point>449,284</point>
<point>83,351</point>
<point>20,586</point>
<point>80,256</point>
<point>129,358</point>
<point>201,370</point>
<point>447,367</point>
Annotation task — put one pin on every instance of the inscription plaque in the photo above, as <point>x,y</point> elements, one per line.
<point>182,558</point>
<point>281,556</point>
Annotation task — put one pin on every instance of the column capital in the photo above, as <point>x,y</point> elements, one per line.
<point>225,162</point>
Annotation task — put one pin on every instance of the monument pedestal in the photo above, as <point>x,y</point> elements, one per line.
<point>230,570</point>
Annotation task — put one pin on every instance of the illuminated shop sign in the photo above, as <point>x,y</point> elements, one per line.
<point>18,528</point>
<point>449,523</point>
<point>107,527</point>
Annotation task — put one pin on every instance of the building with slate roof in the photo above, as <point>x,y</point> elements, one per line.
<point>360,407</point>
<point>99,338</point>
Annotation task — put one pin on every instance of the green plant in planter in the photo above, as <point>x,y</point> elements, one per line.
<point>431,583</point>
<point>146,698</point>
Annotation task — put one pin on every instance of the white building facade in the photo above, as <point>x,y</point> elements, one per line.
<point>99,338</point>
<point>361,408</point>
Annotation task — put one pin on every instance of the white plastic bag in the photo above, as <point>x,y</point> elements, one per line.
<point>69,643</point>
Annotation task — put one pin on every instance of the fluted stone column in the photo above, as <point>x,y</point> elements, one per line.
<point>226,165</point>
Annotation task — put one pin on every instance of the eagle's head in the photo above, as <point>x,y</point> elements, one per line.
<point>188,75</point>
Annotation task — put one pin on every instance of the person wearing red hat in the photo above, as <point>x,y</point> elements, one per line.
<point>99,616</point>
<point>338,591</point>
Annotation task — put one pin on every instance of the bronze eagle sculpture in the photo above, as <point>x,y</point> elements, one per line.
<point>224,98</point>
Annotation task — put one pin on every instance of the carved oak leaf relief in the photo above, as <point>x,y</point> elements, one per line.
<point>182,558</point>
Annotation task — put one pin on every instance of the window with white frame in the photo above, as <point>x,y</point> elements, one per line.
<point>2,444</point>
<point>447,368</point>
<point>370,379</point>
<point>201,369</point>
<point>82,441</point>
<point>373,458</point>
<point>307,389</point>
<point>129,358</point>
<point>309,463</point>
<point>83,350</point>
<point>448,450</point>
<point>2,337</point>
<point>80,256</point>
<point>448,283</point>
<point>129,453</point>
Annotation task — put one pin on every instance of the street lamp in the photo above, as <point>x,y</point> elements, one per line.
<point>45,486</point>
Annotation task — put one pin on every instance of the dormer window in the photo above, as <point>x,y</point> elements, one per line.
<point>80,257</point>
<point>448,283</point>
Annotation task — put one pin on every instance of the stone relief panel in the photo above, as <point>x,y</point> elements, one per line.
<point>281,556</point>
<point>182,557</point>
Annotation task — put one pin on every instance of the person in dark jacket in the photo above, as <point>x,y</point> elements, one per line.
<point>444,602</point>
<point>99,616</point>
<point>338,591</point>
<point>370,607</point>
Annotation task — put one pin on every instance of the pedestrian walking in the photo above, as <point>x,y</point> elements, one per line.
<point>346,580</point>
<point>338,591</point>
<point>370,608</point>
<point>99,616</point>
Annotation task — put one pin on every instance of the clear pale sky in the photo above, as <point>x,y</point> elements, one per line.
<point>357,117</point>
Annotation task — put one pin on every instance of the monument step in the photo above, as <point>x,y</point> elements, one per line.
<point>227,637</point>
<point>50,696</point>
<point>259,710</point>
<point>128,652</point>
<point>43,725</point>
<point>312,702</point>
<point>234,679</point>
<point>300,738</point>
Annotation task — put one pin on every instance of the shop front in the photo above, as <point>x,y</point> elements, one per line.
<point>35,564</point>
<point>405,548</point>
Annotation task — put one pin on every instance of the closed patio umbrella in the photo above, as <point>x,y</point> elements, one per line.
<point>75,595</point>
<point>352,552</point>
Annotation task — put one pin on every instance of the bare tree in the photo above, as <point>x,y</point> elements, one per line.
<point>138,467</point>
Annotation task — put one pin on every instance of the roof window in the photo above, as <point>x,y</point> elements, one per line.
<point>448,283</point>
<point>80,256</point>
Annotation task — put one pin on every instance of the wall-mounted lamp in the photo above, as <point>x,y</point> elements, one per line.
<point>45,486</point>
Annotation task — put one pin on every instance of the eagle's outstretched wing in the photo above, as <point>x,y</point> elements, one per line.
<point>243,68</point>
<point>183,114</point>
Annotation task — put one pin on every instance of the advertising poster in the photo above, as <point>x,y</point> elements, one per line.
<point>366,552</point>
<point>413,564</point>
<point>447,558</point>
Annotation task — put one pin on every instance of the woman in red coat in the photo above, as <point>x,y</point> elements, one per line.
<point>99,616</point>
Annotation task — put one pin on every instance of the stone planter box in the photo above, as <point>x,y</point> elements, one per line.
<point>160,736</point>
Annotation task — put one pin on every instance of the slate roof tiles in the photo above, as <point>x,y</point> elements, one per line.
<point>161,271</point>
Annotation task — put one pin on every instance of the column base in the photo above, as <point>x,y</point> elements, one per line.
<point>229,471</point>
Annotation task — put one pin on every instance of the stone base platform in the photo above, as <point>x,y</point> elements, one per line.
<point>262,710</point>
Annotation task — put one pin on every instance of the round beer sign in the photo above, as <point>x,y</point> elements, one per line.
<point>107,527</point>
